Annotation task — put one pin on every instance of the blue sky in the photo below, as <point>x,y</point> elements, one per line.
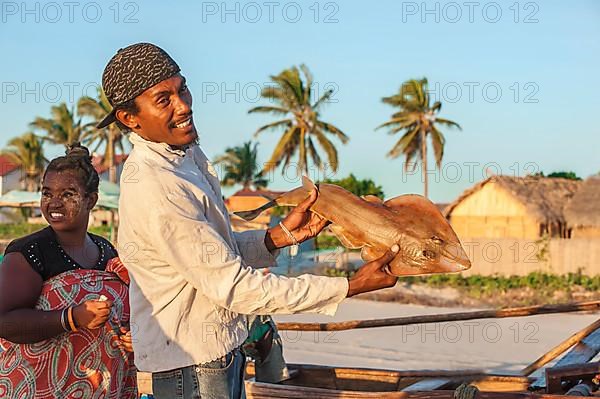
<point>520,77</point>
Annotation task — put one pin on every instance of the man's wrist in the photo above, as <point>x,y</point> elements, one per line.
<point>275,238</point>
<point>353,287</point>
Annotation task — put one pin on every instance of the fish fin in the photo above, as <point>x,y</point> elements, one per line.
<point>373,199</point>
<point>308,184</point>
<point>270,197</point>
<point>417,204</point>
<point>369,253</point>
<point>253,213</point>
<point>345,237</point>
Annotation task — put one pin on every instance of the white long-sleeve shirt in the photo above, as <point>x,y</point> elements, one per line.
<point>192,277</point>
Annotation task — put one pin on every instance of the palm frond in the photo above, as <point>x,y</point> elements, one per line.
<point>285,148</point>
<point>273,125</point>
<point>292,94</point>
<point>447,122</point>
<point>438,141</point>
<point>270,109</point>
<point>333,130</point>
<point>330,151</point>
<point>404,143</point>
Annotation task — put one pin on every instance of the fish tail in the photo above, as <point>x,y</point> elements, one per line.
<point>308,184</point>
<point>252,214</point>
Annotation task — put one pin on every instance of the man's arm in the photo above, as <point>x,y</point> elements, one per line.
<point>192,246</point>
<point>254,250</point>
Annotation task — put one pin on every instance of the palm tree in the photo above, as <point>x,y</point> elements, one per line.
<point>302,126</point>
<point>27,151</point>
<point>241,167</point>
<point>61,128</point>
<point>417,118</point>
<point>111,136</point>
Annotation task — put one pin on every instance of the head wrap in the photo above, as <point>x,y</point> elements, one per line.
<point>133,70</point>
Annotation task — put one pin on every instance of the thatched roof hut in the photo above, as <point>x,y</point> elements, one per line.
<point>506,206</point>
<point>583,211</point>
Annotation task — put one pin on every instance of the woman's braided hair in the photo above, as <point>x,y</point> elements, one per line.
<point>79,161</point>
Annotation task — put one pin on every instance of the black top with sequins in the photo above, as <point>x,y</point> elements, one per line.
<point>46,257</point>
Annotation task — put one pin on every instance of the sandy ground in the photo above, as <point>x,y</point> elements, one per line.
<point>505,345</point>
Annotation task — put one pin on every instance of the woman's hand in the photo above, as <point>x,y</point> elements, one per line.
<point>92,314</point>
<point>125,340</point>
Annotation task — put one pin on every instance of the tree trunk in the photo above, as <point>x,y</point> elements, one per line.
<point>424,161</point>
<point>30,185</point>
<point>31,181</point>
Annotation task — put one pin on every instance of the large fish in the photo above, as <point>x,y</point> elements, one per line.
<point>427,242</point>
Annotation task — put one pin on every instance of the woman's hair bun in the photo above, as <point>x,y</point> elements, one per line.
<point>78,151</point>
<point>78,160</point>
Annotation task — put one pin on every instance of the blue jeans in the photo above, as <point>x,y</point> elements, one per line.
<point>219,379</point>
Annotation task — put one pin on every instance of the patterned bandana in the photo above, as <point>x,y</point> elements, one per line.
<point>132,71</point>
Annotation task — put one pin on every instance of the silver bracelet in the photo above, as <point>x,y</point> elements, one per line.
<point>63,320</point>
<point>295,245</point>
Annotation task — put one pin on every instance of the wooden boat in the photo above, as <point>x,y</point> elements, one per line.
<point>310,381</point>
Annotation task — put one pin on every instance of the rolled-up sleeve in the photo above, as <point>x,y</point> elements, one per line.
<point>199,253</point>
<point>254,252</point>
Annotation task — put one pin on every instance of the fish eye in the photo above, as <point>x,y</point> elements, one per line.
<point>437,240</point>
<point>428,254</point>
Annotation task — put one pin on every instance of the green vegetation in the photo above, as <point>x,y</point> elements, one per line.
<point>534,288</point>
<point>111,137</point>
<point>333,272</point>
<point>563,174</point>
<point>66,126</point>
<point>10,231</point>
<point>326,241</point>
<point>103,231</point>
<point>62,127</point>
<point>27,151</point>
<point>240,167</point>
<point>358,187</point>
<point>499,284</point>
<point>303,129</point>
<point>418,119</point>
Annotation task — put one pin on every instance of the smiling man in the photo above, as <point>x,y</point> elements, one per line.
<point>193,279</point>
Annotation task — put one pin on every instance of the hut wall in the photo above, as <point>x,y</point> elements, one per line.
<point>506,256</point>
<point>494,213</point>
<point>585,232</point>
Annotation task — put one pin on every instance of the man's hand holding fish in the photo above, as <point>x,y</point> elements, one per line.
<point>303,224</point>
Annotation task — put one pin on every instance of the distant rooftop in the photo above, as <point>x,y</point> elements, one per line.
<point>7,165</point>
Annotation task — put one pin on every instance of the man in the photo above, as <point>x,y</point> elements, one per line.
<point>192,278</point>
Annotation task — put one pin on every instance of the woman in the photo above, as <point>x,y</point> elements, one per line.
<point>63,298</point>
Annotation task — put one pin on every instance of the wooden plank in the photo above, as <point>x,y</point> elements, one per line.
<point>574,372</point>
<point>271,391</point>
<point>492,383</point>
<point>308,369</point>
<point>440,318</point>
<point>497,383</point>
<point>427,384</point>
<point>561,348</point>
<point>583,352</point>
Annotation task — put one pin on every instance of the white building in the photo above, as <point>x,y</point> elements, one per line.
<point>10,175</point>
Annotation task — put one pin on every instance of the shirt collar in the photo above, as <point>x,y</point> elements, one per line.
<point>164,149</point>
